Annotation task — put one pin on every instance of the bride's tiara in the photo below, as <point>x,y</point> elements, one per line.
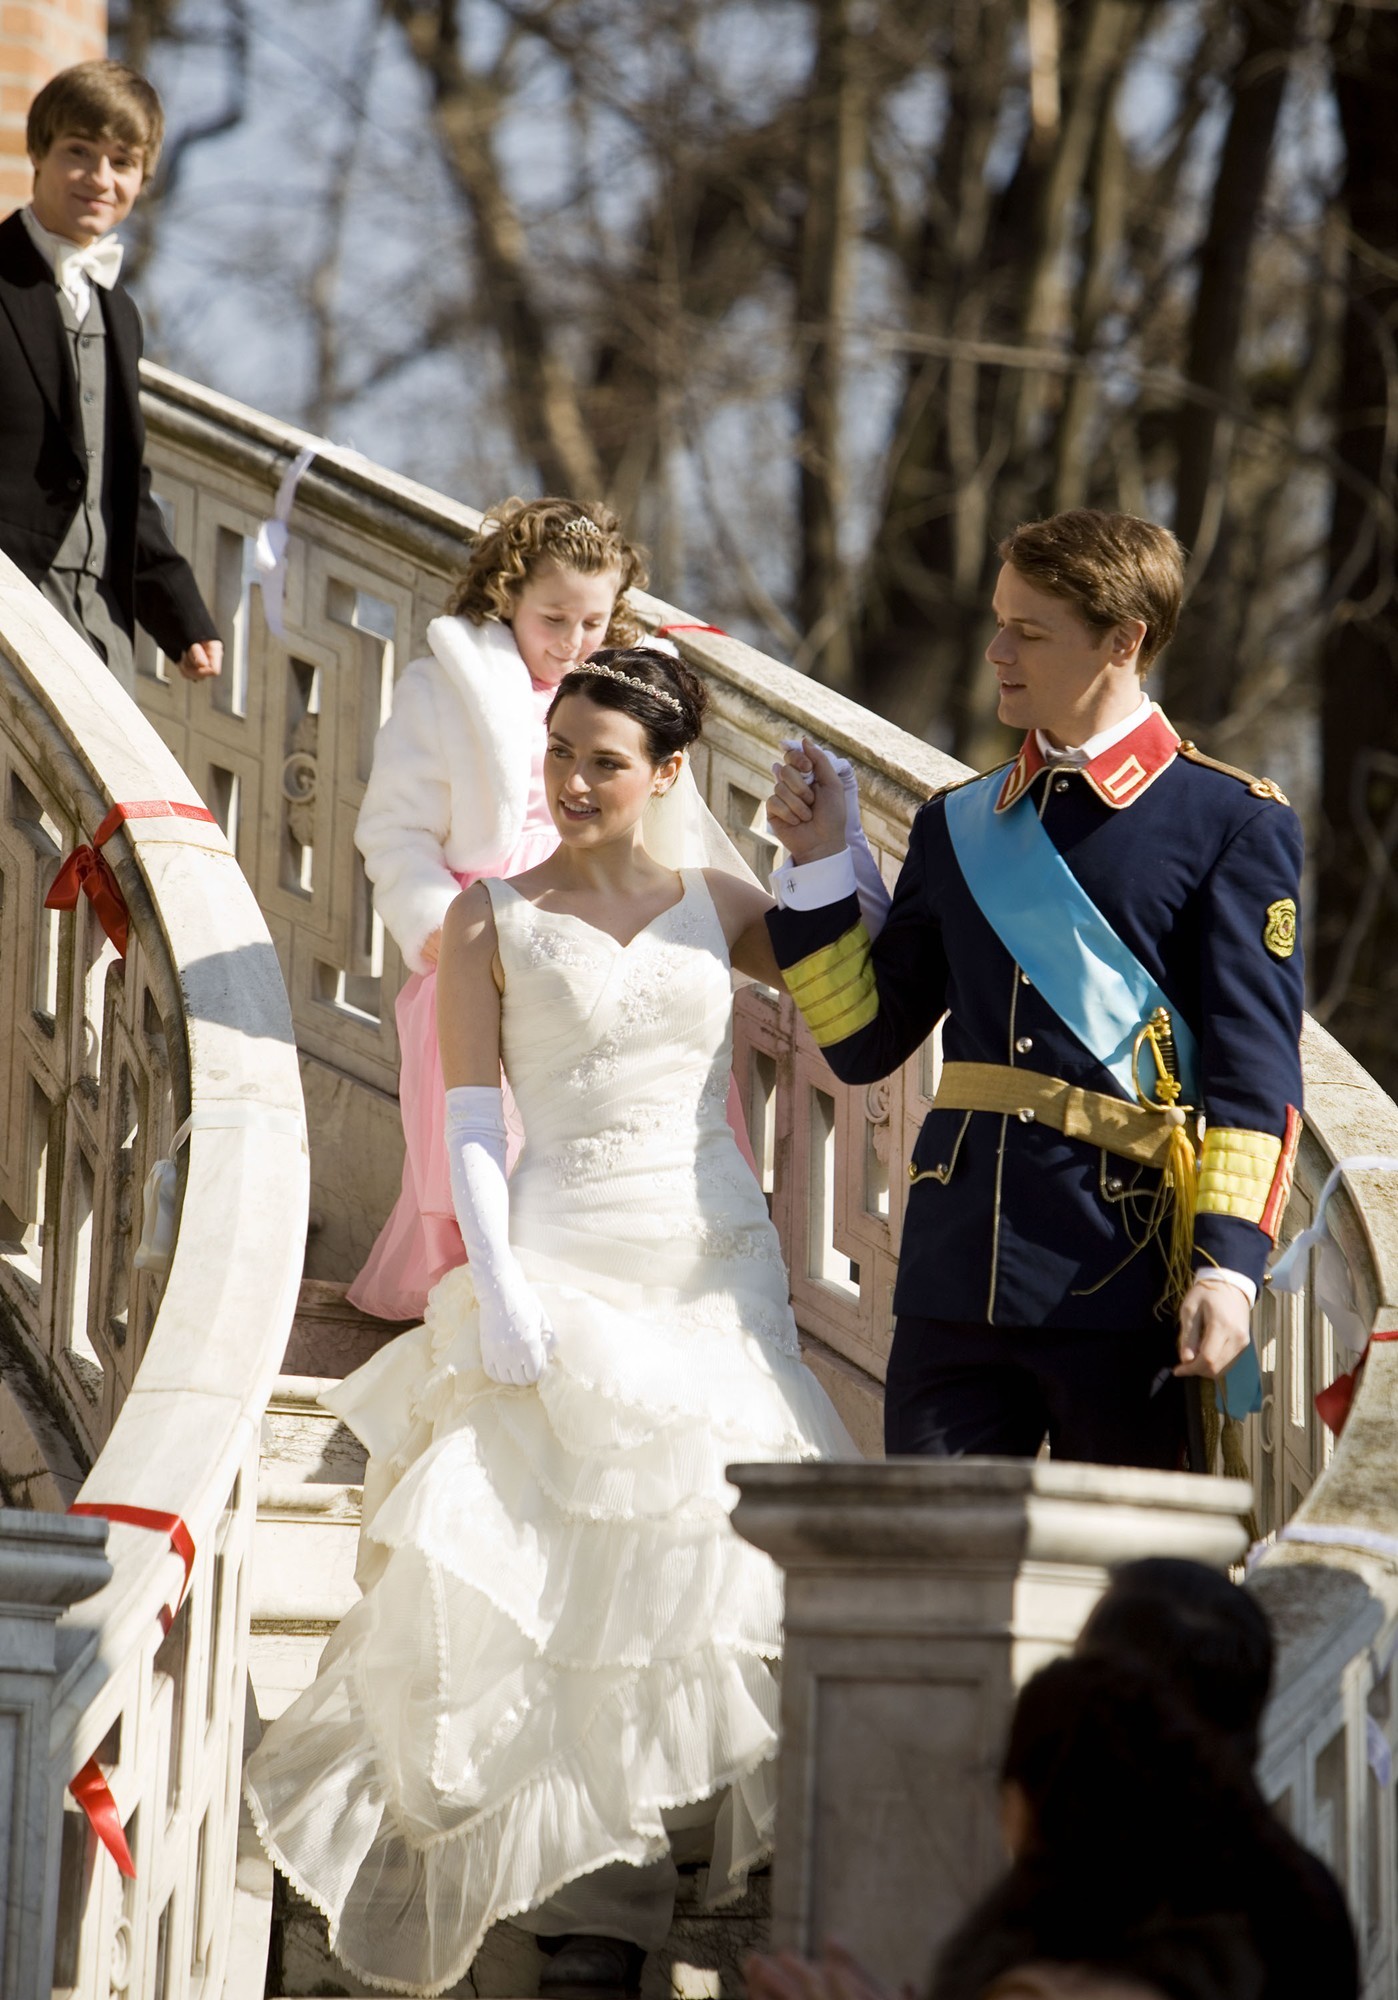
<point>627,680</point>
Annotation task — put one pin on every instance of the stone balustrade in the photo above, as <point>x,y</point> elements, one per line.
<point>125,1386</point>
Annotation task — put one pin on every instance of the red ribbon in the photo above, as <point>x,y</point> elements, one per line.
<point>86,872</point>
<point>181,1541</point>
<point>1333,1403</point>
<point>664,631</point>
<point>94,1795</point>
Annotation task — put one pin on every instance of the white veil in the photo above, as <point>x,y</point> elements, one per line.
<point>681,832</point>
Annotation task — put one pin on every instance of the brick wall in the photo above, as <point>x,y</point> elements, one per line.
<point>37,38</point>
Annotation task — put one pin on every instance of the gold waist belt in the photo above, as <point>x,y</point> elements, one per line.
<point>1127,1130</point>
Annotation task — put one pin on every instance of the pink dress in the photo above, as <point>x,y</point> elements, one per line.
<point>420,1242</point>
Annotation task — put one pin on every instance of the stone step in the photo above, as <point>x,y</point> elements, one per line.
<point>309,1489</point>
<point>329,1336</point>
<point>310,1486</point>
<point>311,1473</point>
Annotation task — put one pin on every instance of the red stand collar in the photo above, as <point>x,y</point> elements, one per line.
<point>1118,776</point>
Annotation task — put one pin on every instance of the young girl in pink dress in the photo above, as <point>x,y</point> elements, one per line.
<point>455,794</point>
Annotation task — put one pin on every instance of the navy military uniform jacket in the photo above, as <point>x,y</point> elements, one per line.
<point>1196,867</point>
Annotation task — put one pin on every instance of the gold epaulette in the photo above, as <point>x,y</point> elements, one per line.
<point>1261,788</point>
<point>971,778</point>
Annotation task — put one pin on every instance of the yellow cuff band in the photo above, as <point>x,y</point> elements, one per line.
<point>1236,1172</point>
<point>834,988</point>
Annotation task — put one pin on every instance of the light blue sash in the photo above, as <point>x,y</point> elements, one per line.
<point>1091,979</point>
<point>1051,927</point>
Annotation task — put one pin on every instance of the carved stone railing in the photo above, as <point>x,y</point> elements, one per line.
<point>143,1389</point>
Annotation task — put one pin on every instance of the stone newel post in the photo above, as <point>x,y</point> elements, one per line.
<point>920,1594</point>
<point>47,1563</point>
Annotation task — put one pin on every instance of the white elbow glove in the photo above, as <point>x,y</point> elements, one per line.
<point>869,885</point>
<point>516,1338</point>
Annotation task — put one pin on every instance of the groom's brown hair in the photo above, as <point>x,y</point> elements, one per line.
<point>1110,568</point>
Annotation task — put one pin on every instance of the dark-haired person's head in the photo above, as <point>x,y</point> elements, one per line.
<point>618,730</point>
<point>1131,1837</point>
<point>653,687</point>
<point>1206,1637</point>
<point>1095,1732</point>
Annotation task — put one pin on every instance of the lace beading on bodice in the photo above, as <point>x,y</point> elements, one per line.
<point>618,1057</point>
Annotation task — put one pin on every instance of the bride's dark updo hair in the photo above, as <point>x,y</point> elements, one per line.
<point>658,690</point>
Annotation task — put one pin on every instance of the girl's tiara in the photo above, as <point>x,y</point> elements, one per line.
<point>581,531</point>
<point>628,680</point>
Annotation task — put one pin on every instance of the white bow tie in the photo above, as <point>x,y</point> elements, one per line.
<point>100,262</point>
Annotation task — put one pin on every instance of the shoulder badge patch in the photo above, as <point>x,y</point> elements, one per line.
<point>1279,932</point>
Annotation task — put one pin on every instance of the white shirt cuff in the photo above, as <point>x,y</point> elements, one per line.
<point>1216,1275</point>
<point>811,885</point>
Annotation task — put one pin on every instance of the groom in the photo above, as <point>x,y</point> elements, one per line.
<point>1111,921</point>
<point>76,511</point>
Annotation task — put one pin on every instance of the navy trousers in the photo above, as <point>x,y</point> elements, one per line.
<point>958,1387</point>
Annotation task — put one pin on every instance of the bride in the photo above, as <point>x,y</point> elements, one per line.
<point>564,1654</point>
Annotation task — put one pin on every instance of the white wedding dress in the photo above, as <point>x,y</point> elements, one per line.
<point>561,1636</point>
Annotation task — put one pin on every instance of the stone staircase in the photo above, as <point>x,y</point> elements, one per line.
<point>308,1501</point>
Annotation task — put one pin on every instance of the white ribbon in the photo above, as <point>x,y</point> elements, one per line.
<point>1334,1282</point>
<point>269,552</point>
<point>157,1244</point>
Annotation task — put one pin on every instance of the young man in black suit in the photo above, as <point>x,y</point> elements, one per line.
<point>76,512</point>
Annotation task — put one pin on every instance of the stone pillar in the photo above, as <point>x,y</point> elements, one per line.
<point>38,38</point>
<point>920,1594</point>
<point>47,1563</point>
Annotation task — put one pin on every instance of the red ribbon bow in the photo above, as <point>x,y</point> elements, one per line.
<point>94,1795</point>
<point>87,873</point>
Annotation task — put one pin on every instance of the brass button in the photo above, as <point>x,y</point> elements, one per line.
<point>1060,784</point>
<point>1025,1115</point>
<point>1113,1185</point>
<point>1024,1045</point>
<point>1025,980</point>
<point>1185,744</point>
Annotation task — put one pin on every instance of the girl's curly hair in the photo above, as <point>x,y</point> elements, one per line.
<point>519,536</point>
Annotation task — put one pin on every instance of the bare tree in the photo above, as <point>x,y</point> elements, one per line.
<point>1355,953</point>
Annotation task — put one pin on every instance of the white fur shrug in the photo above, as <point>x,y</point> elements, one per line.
<point>449,785</point>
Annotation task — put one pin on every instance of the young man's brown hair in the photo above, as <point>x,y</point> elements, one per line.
<point>98,100</point>
<point>1109,567</point>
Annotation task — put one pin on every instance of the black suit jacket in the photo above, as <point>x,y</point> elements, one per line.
<point>43,461</point>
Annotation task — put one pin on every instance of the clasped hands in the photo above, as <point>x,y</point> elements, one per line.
<point>814,807</point>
